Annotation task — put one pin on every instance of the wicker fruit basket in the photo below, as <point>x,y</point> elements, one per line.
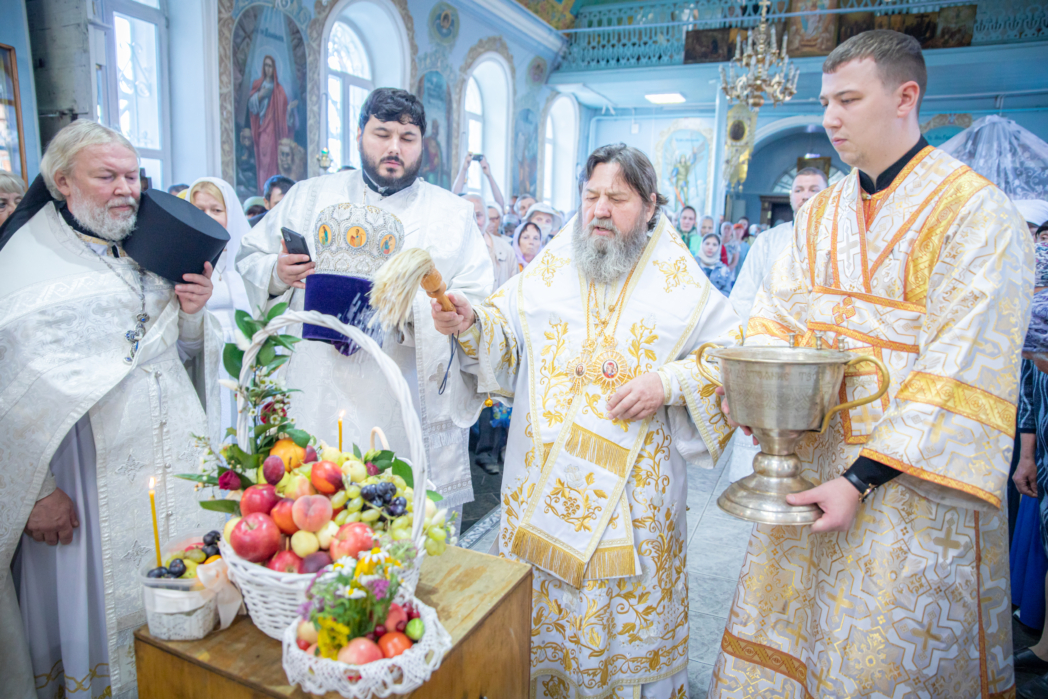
<point>273,598</point>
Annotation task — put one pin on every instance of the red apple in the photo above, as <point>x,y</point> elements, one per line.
<point>273,469</point>
<point>311,512</point>
<point>395,616</point>
<point>311,455</point>
<point>360,651</point>
<point>255,537</point>
<point>314,562</point>
<point>351,539</point>
<point>326,477</point>
<point>281,514</point>
<point>285,562</point>
<point>258,498</point>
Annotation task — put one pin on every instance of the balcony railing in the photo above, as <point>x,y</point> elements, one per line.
<point>635,34</point>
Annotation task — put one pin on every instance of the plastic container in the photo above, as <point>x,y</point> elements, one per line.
<point>178,609</point>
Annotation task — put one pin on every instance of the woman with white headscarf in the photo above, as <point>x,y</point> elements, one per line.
<point>216,198</point>
<point>548,219</point>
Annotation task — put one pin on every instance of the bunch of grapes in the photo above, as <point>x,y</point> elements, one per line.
<point>386,503</point>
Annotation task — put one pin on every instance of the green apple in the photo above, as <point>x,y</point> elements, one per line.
<point>356,470</point>
<point>227,530</point>
<point>325,535</point>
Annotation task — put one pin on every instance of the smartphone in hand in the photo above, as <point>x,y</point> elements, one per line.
<point>295,242</point>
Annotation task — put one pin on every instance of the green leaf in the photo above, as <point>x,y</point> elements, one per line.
<point>287,341</point>
<point>277,363</point>
<point>248,325</point>
<point>402,469</point>
<point>231,507</point>
<point>356,452</point>
<point>233,360</point>
<point>262,429</point>
<point>385,455</point>
<point>197,478</point>
<point>266,355</point>
<point>299,437</point>
<point>231,432</point>
<point>275,311</point>
<point>434,495</point>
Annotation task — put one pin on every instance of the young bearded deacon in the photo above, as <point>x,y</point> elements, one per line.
<point>353,221</point>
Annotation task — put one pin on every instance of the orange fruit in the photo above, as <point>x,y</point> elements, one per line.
<point>289,452</point>
<point>393,644</point>
<point>212,559</point>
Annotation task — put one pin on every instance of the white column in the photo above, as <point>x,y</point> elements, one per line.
<point>720,136</point>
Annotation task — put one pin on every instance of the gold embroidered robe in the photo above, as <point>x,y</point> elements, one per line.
<point>934,277</point>
<point>613,634</point>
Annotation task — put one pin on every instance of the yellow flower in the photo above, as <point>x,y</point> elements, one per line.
<point>332,637</point>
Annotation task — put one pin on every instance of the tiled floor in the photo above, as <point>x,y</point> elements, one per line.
<point>716,544</point>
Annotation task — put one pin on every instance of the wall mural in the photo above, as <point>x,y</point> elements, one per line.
<point>309,20</point>
<point>269,81</point>
<point>684,165</point>
<point>443,24</point>
<point>435,95</point>
<point>559,14</point>
<point>525,152</point>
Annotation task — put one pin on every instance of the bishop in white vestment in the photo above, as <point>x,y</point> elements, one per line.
<point>432,218</point>
<point>94,400</point>
<point>593,344</point>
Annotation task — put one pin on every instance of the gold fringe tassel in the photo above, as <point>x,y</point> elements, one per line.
<point>611,562</point>
<point>548,556</point>
<point>592,447</point>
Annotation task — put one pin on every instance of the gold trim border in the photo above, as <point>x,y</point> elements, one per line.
<point>960,399</point>
<point>944,481</point>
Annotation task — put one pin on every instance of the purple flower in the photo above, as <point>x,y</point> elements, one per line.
<point>379,587</point>
<point>229,481</point>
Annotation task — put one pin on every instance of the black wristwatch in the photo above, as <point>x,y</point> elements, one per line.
<point>867,475</point>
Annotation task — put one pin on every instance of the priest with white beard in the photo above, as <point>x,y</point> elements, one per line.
<point>352,221</point>
<point>88,414</point>
<point>594,345</point>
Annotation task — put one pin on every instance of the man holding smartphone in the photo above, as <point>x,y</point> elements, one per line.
<point>392,126</point>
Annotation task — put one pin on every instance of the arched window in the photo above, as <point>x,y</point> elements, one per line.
<point>474,133</point>
<point>485,128</point>
<point>349,82</point>
<point>560,145</point>
<point>785,183</point>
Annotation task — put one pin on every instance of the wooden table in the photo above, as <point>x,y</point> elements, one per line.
<point>484,602</point>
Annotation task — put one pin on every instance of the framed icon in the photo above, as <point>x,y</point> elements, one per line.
<point>12,143</point>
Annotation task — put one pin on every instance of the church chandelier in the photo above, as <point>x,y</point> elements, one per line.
<point>760,72</point>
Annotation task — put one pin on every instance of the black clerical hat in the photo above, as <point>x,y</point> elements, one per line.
<point>172,237</point>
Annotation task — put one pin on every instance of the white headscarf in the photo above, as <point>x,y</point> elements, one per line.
<point>229,294</point>
<point>1034,211</point>
<point>555,226</point>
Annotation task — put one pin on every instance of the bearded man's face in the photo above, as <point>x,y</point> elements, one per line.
<point>391,152</point>
<point>102,190</point>
<point>611,229</point>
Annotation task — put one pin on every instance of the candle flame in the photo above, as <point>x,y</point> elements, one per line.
<point>341,414</point>
<point>152,482</point>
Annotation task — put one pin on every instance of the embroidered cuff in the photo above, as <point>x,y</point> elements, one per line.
<point>673,386</point>
<point>473,334</point>
<point>667,387</point>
